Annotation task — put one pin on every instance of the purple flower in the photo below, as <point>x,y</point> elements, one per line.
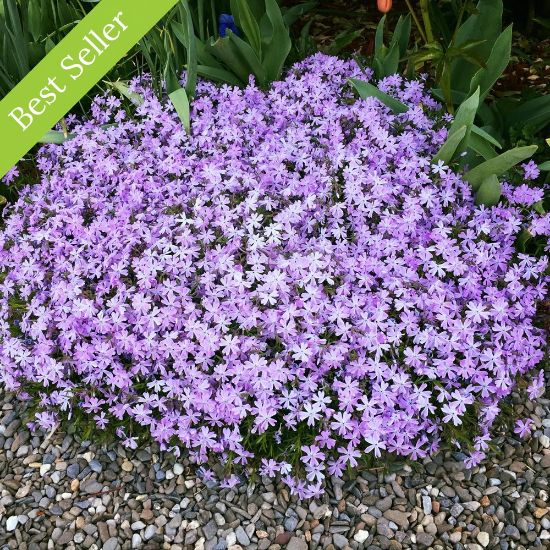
<point>293,269</point>
<point>523,428</point>
<point>530,170</point>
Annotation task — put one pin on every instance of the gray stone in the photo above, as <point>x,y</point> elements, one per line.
<point>210,530</point>
<point>296,543</point>
<point>91,486</point>
<point>242,537</point>
<point>73,470</point>
<point>339,541</point>
<point>512,531</point>
<point>424,539</point>
<point>456,510</point>
<point>150,532</point>
<point>111,544</point>
<point>426,505</point>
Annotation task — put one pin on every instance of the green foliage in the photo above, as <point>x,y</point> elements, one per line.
<point>188,39</point>
<point>386,58</point>
<point>498,165</point>
<point>29,29</point>
<point>365,89</point>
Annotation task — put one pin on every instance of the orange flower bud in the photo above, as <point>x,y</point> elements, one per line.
<point>384,5</point>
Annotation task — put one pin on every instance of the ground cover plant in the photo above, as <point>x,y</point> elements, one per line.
<point>294,284</point>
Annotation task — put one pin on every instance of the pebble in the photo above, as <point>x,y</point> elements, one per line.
<point>296,543</point>
<point>118,499</point>
<point>483,539</point>
<point>111,544</point>
<point>242,537</point>
<point>339,541</point>
<point>11,523</point>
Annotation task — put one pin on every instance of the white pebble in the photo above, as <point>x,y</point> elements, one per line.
<point>483,539</point>
<point>361,536</point>
<point>11,523</point>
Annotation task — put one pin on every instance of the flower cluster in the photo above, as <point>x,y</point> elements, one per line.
<point>293,284</point>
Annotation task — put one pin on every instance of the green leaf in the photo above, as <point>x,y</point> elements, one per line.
<point>498,60</point>
<point>237,56</point>
<point>489,191</point>
<point>450,147</point>
<point>391,61</point>
<point>364,89</point>
<point>485,24</point>
<point>245,20</point>
<point>180,100</point>
<point>533,112</point>
<point>342,40</point>
<point>279,47</point>
<point>539,207</point>
<point>379,36</point>
<point>464,117</point>
<point>122,87</point>
<point>191,48</point>
<point>481,146</point>
<point>402,33</point>
<point>498,165</point>
<point>545,166</point>
<point>292,14</point>
<point>480,132</point>
<point>219,75</point>
<point>57,137</point>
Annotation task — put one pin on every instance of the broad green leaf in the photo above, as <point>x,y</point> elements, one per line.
<point>402,33</point>
<point>391,61</point>
<point>464,117</point>
<point>290,15</point>
<point>480,132</point>
<point>342,40</point>
<point>499,58</point>
<point>180,100</point>
<point>364,89</point>
<point>533,112</point>
<point>122,87</point>
<point>245,20</point>
<point>57,137</point>
<point>249,58</point>
<point>449,148</point>
<point>545,166</point>
<point>277,50</point>
<point>229,50</point>
<point>219,75</point>
<point>481,146</point>
<point>498,165</point>
<point>484,24</point>
<point>489,191</point>
<point>379,35</point>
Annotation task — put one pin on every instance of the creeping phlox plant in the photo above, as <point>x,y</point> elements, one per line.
<point>293,285</point>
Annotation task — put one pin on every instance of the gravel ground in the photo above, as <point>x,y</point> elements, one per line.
<point>62,493</point>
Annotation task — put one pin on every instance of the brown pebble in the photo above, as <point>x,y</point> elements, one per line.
<point>283,538</point>
<point>485,501</point>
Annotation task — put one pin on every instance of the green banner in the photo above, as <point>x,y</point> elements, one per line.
<point>70,70</point>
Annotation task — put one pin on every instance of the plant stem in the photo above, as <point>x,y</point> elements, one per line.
<point>416,21</point>
<point>427,21</point>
